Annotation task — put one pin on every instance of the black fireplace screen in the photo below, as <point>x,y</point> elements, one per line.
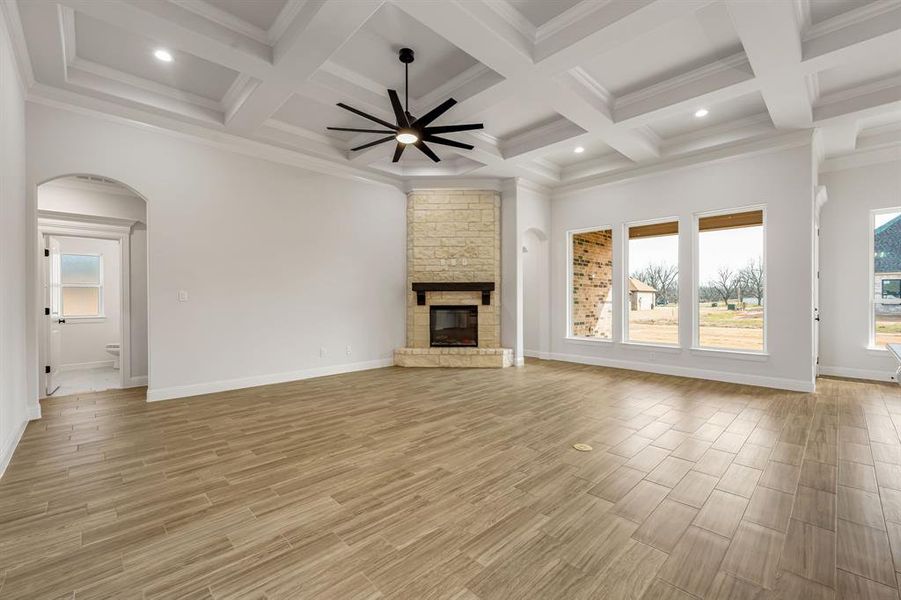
<point>454,325</point>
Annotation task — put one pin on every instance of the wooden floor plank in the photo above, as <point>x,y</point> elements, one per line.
<point>460,485</point>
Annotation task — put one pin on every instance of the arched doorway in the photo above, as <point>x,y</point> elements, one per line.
<point>92,272</point>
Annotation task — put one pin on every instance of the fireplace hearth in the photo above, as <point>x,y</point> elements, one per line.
<point>455,326</point>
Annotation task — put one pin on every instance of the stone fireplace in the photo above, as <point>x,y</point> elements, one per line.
<point>453,275</point>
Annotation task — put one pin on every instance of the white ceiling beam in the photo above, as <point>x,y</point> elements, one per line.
<point>484,35</point>
<point>771,36</point>
<point>853,35</point>
<point>313,36</point>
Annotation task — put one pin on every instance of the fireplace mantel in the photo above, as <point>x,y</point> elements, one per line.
<point>486,287</point>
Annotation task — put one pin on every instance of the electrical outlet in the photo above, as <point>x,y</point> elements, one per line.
<point>323,352</point>
<point>652,356</point>
<point>182,295</point>
<point>348,350</point>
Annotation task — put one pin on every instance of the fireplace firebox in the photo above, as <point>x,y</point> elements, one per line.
<point>453,326</point>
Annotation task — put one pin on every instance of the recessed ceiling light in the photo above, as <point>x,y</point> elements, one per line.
<point>163,55</point>
<point>701,112</point>
<point>579,150</point>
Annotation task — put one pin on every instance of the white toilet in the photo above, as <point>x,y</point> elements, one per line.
<point>113,349</point>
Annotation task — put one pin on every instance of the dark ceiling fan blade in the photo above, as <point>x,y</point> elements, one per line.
<point>453,128</point>
<point>433,114</point>
<point>398,151</point>
<point>359,130</point>
<point>365,116</point>
<point>375,143</point>
<point>427,151</point>
<point>440,140</point>
<point>398,109</point>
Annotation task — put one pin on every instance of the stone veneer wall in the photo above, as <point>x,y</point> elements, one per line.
<point>592,269</point>
<point>453,235</point>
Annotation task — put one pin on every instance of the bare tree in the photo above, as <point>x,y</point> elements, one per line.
<point>724,282</point>
<point>752,277</point>
<point>662,277</point>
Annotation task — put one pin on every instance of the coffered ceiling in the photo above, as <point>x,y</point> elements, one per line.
<point>620,79</point>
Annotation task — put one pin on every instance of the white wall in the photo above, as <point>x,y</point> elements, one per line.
<point>14,411</point>
<point>83,341</point>
<point>845,261</point>
<point>781,180</point>
<point>278,262</point>
<point>73,199</point>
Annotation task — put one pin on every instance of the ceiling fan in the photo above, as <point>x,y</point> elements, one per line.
<point>409,129</point>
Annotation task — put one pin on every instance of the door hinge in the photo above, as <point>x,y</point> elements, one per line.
<point>46,311</point>
<point>46,252</point>
<point>47,369</point>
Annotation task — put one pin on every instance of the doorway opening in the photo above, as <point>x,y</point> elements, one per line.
<point>93,275</point>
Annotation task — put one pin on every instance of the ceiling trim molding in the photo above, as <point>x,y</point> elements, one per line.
<point>855,16</point>
<point>225,19</point>
<point>12,24</point>
<point>862,158</point>
<point>773,143</point>
<point>70,101</point>
<point>493,184</point>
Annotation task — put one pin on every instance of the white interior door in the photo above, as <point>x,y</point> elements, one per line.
<point>53,316</point>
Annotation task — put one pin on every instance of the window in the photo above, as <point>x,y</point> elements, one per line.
<point>731,281</point>
<point>591,284</point>
<point>885,298</point>
<point>652,300</point>
<point>81,285</point>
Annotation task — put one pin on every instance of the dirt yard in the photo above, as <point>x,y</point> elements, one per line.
<point>720,328</point>
<point>888,329</point>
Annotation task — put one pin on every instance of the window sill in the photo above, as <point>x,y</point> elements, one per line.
<point>84,320</point>
<point>878,350</point>
<point>587,340</point>
<point>649,346</point>
<point>737,354</point>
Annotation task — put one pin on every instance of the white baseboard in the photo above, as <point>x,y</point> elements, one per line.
<point>196,389</point>
<point>868,374</point>
<point>6,452</point>
<point>536,354</point>
<point>780,383</point>
<point>97,364</point>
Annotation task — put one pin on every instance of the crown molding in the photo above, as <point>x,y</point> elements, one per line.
<point>225,19</point>
<point>761,145</point>
<point>863,158</point>
<point>567,18</point>
<point>12,24</point>
<point>737,61</point>
<point>850,18</point>
<point>490,184</point>
<point>70,101</point>
<point>284,20</point>
<point>593,86</point>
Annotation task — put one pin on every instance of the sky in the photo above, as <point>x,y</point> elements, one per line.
<point>730,247</point>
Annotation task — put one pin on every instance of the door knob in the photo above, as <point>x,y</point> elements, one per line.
<point>61,321</point>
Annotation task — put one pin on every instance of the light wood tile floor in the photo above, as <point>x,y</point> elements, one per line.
<point>460,485</point>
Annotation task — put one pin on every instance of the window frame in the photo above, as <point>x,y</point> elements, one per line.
<point>101,309</point>
<point>569,285</point>
<point>624,327</point>
<point>871,283</point>
<point>696,346</point>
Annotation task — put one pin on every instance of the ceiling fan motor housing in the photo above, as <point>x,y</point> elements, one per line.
<point>406,55</point>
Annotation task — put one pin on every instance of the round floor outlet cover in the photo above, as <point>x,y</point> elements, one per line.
<point>582,447</point>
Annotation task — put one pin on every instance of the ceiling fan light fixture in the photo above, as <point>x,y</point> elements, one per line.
<point>407,136</point>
